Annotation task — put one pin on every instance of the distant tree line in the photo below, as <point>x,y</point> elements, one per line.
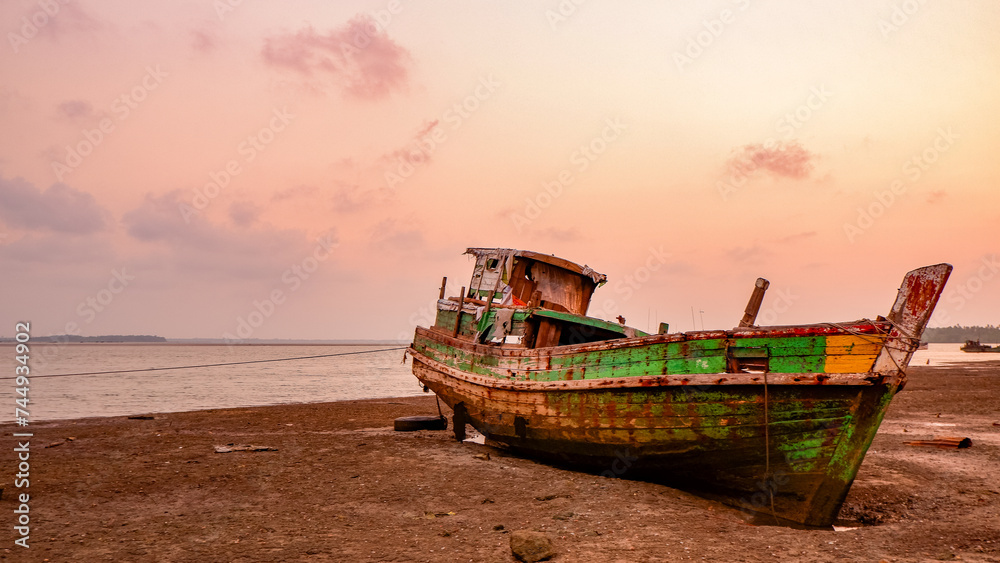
<point>958,333</point>
<point>108,338</point>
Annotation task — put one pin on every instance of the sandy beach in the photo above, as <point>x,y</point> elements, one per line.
<point>340,485</point>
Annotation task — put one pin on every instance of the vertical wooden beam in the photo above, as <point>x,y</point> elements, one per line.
<point>444,283</point>
<point>756,298</point>
<point>536,299</point>
<point>489,302</point>
<point>458,317</point>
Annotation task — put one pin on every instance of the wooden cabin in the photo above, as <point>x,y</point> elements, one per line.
<point>541,299</point>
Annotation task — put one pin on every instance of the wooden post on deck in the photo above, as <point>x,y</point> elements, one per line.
<point>444,283</point>
<point>756,298</point>
<point>458,317</point>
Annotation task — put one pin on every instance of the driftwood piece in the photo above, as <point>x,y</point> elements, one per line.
<point>228,448</point>
<point>952,442</point>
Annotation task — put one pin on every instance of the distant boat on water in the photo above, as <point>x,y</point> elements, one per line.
<point>975,346</point>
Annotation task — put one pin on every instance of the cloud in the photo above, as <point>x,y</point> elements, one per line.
<point>359,56</point>
<point>565,234</point>
<point>75,109</point>
<point>797,237</point>
<point>937,196</point>
<point>244,213</point>
<point>203,41</point>
<point>58,250</point>
<point>786,160</point>
<point>256,251</point>
<point>418,150</point>
<point>69,20</point>
<point>742,254</point>
<point>398,236</point>
<point>294,192</point>
<point>351,198</point>
<point>60,208</point>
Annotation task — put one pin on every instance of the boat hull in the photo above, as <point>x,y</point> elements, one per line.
<point>774,420</point>
<point>788,451</point>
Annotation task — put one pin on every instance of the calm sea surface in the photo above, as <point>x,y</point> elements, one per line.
<point>361,376</point>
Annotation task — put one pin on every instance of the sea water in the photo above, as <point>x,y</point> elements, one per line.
<point>373,374</point>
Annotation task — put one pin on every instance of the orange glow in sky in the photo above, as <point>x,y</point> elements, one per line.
<point>172,168</point>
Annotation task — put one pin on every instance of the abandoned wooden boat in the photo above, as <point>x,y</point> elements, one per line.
<point>775,420</point>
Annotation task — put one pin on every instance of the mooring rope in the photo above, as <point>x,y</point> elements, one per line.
<point>212,365</point>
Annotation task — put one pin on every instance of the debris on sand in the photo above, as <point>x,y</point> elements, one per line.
<point>955,442</point>
<point>228,448</point>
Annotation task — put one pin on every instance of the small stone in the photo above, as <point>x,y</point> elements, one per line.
<point>531,546</point>
<point>563,515</point>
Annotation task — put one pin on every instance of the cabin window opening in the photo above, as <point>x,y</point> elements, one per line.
<point>748,360</point>
<point>492,263</point>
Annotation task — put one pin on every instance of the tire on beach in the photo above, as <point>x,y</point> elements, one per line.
<point>414,423</point>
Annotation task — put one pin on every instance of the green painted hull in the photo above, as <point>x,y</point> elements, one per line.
<point>793,455</point>
<point>773,420</point>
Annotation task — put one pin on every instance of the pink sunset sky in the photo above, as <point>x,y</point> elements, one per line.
<point>172,168</point>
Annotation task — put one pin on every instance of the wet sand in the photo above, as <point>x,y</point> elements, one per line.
<point>343,486</point>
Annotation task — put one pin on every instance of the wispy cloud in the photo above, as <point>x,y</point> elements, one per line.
<point>797,237</point>
<point>204,41</point>
<point>937,196</point>
<point>398,236</point>
<point>294,192</point>
<point>75,109</point>
<point>413,151</point>
<point>351,198</point>
<point>784,159</point>
<point>743,254</point>
<point>71,19</point>
<point>361,58</point>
